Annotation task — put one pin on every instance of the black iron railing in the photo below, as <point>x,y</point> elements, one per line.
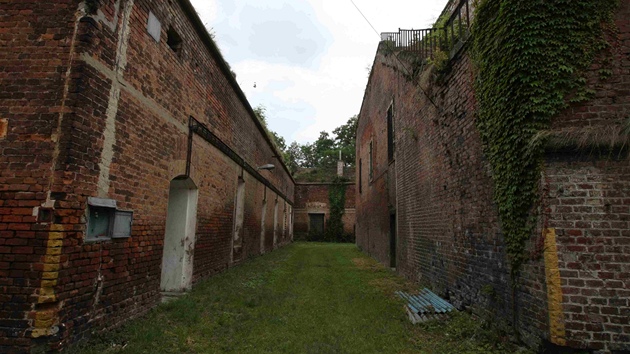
<point>447,37</point>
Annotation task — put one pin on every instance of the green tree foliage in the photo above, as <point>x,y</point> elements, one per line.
<point>345,140</point>
<point>322,153</point>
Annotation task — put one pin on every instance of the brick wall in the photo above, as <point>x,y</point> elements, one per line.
<point>113,123</point>
<point>313,198</point>
<point>35,41</point>
<point>448,235</point>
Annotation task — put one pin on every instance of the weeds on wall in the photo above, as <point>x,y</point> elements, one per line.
<point>530,58</point>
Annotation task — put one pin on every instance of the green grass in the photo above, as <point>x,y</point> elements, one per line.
<point>304,298</point>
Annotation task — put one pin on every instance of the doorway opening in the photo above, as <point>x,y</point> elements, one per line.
<point>392,240</point>
<point>316,226</point>
<point>179,238</point>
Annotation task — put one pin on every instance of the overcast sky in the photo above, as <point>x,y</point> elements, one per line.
<point>309,60</point>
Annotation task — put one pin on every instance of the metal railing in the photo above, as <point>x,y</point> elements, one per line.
<point>427,42</point>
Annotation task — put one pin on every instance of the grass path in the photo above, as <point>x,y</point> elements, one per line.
<point>305,298</point>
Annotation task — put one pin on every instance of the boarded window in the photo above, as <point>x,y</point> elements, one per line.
<point>316,224</point>
<point>391,141</point>
<point>371,161</point>
<point>154,27</point>
<point>239,215</point>
<point>360,176</point>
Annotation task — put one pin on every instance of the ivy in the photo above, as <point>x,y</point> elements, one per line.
<point>530,58</point>
<point>337,203</point>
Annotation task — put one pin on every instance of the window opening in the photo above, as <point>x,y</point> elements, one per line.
<point>173,40</point>
<point>371,162</point>
<point>391,141</point>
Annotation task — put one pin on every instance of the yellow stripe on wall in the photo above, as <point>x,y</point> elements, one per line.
<point>46,317</point>
<point>554,290</point>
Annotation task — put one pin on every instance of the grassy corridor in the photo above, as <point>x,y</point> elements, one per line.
<point>305,298</point>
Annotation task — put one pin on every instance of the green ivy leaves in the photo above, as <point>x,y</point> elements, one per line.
<point>529,56</point>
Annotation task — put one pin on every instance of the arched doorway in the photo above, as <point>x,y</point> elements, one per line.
<point>179,238</point>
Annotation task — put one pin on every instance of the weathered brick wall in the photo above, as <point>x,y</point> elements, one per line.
<point>587,203</point>
<point>124,108</point>
<point>589,208</point>
<point>35,55</point>
<point>313,198</point>
<point>447,227</point>
<point>372,198</point>
<point>448,232</point>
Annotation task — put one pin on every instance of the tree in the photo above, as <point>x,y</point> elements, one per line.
<point>323,153</point>
<point>308,154</point>
<point>345,140</point>
<point>293,157</point>
<point>324,150</point>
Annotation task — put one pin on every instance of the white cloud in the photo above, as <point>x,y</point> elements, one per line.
<point>306,97</point>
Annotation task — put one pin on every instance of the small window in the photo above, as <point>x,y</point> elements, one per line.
<point>391,140</point>
<point>105,221</point>
<point>360,176</point>
<point>371,161</point>
<point>174,41</point>
<point>154,27</point>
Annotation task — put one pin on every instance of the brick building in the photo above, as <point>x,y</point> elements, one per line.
<point>425,200</point>
<point>129,167</point>
<point>312,208</point>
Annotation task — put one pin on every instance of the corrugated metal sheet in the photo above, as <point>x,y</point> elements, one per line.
<point>425,306</point>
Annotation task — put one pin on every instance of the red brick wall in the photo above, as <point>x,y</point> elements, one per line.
<point>35,42</point>
<point>589,205</point>
<point>143,130</point>
<point>313,198</point>
<point>448,232</point>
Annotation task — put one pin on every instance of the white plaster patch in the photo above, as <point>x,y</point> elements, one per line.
<point>109,135</point>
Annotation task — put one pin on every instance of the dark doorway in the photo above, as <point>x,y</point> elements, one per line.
<point>392,240</point>
<point>316,224</point>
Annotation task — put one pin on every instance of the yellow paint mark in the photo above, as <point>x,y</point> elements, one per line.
<point>55,236</point>
<point>48,283</point>
<point>55,243</point>
<point>43,323</point>
<point>39,332</point>
<point>57,227</point>
<point>50,275</point>
<point>54,251</point>
<point>554,289</point>
<point>52,268</point>
<point>44,315</point>
<point>52,259</point>
<point>46,319</point>
<point>43,299</point>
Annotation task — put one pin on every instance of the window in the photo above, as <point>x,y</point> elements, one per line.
<point>360,176</point>
<point>105,221</point>
<point>371,161</point>
<point>391,141</point>
<point>239,215</point>
<point>154,27</point>
<point>174,41</point>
